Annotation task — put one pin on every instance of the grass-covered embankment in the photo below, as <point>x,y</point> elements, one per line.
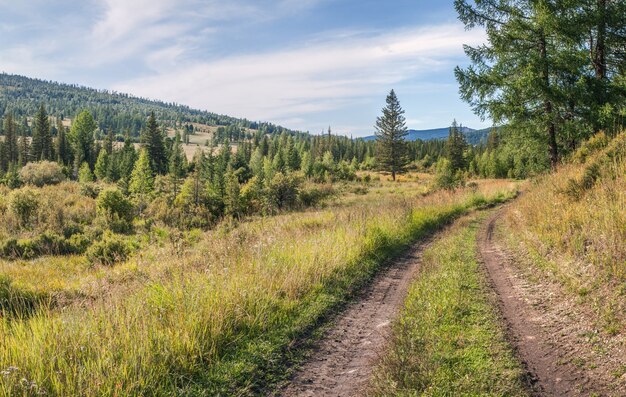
<point>220,318</point>
<point>449,340</point>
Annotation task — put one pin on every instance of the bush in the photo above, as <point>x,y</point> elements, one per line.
<point>24,203</point>
<point>116,209</point>
<point>110,250</point>
<point>42,173</point>
<point>446,178</point>
<point>313,195</point>
<point>282,191</point>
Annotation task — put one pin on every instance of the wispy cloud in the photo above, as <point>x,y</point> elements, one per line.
<point>319,76</point>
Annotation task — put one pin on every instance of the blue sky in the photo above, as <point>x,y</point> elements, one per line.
<point>304,64</point>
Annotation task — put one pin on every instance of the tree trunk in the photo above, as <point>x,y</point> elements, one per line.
<point>599,56</point>
<point>551,127</point>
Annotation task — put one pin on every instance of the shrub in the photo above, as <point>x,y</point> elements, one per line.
<point>110,250</point>
<point>24,204</point>
<point>89,189</point>
<point>446,178</point>
<point>282,191</point>
<point>115,208</point>
<point>42,173</point>
<point>313,195</point>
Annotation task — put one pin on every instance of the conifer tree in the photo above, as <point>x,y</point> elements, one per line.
<point>390,133</point>
<point>101,168</point>
<point>141,180</point>
<point>455,148</point>
<point>63,147</point>
<point>10,139</point>
<point>177,164</point>
<point>155,145</point>
<point>41,147</point>
<point>82,139</point>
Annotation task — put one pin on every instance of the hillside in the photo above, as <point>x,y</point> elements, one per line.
<point>472,136</point>
<point>112,110</point>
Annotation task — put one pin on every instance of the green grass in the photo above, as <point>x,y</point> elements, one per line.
<point>225,317</point>
<point>448,340</point>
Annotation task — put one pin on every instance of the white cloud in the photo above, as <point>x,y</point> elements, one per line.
<point>319,76</point>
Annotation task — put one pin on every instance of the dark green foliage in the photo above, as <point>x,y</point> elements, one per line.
<point>552,71</point>
<point>116,209</point>
<point>455,148</point>
<point>390,133</point>
<point>81,137</point>
<point>152,140</point>
<point>41,146</point>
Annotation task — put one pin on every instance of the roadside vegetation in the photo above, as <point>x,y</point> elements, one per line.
<point>448,340</point>
<point>571,228</point>
<point>209,312</point>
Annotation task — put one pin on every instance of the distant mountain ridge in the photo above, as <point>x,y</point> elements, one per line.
<point>473,136</point>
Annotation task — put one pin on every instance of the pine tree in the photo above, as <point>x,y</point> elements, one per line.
<point>177,164</point>
<point>455,148</point>
<point>41,147</point>
<point>390,133</point>
<point>128,157</point>
<point>232,198</point>
<point>63,147</point>
<point>101,168</point>
<point>10,139</point>
<point>23,150</point>
<point>84,173</point>
<point>141,180</point>
<point>81,137</point>
<point>154,143</point>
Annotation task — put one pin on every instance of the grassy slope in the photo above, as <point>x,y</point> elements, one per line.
<point>448,340</point>
<point>571,228</point>
<point>220,317</point>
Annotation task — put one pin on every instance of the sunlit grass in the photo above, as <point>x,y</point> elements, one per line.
<point>448,340</point>
<point>220,314</point>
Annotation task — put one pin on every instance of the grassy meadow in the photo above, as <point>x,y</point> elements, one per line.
<point>219,312</point>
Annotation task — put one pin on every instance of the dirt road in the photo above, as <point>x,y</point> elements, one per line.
<point>342,363</point>
<point>549,331</point>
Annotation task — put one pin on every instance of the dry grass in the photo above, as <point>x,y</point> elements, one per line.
<point>573,226</point>
<point>213,313</point>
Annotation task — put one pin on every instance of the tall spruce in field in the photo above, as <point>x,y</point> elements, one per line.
<point>81,137</point>
<point>390,133</point>
<point>41,147</point>
<point>23,149</point>
<point>155,145</point>
<point>455,148</point>
<point>10,139</point>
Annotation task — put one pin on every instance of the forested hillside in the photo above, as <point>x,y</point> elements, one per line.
<point>120,112</point>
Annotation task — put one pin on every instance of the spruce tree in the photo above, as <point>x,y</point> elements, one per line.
<point>155,145</point>
<point>455,148</point>
<point>63,147</point>
<point>177,164</point>
<point>82,139</point>
<point>390,133</point>
<point>10,139</point>
<point>101,168</point>
<point>141,180</point>
<point>41,147</point>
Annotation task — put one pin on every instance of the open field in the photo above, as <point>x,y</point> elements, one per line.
<point>212,312</point>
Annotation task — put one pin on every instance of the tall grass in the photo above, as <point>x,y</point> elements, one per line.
<point>448,340</point>
<point>573,225</point>
<point>220,317</point>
